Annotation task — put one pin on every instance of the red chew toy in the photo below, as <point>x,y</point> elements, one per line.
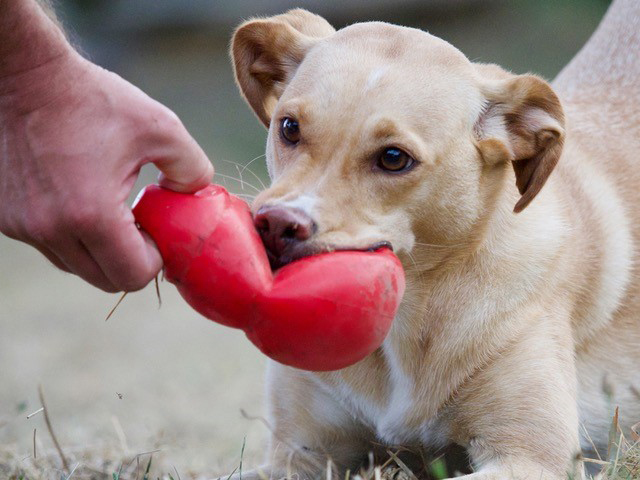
<point>323,312</point>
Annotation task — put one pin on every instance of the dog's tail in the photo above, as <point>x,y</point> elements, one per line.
<point>607,69</point>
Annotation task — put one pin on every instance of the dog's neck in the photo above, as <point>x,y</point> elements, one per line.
<point>491,281</point>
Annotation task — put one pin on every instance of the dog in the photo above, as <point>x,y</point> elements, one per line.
<point>520,323</point>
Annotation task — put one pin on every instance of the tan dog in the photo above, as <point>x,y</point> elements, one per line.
<point>512,322</point>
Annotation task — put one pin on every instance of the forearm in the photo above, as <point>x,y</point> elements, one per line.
<point>29,37</point>
<point>37,63</point>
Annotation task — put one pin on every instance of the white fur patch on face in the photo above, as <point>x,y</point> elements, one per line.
<point>305,203</point>
<point>374,77</point>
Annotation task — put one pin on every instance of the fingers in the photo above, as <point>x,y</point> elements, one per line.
<point>52,257</point>
<point>183,164</point>
<point>69,255</point>
<point>77,259</point>
<point>127,257</point>
<point>116,257</point>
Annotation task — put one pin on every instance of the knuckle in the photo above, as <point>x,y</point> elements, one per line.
<point>167,121</point>
<point>39,228</point>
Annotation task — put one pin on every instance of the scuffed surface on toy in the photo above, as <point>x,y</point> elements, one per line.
<point>323,312</point>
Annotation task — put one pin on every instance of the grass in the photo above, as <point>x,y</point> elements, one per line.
<point>95,464</point>
<point>622,462</point>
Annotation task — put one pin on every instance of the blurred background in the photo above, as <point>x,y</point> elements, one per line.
<point>166,380</point>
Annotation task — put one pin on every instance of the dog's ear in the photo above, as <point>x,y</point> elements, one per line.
<point>267,52</point>
<point>522,122</point>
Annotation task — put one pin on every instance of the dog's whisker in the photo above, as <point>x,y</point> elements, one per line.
<point>264,187</point>
<point>241,168</point>
<point>434,245</point>
<point>417,269</point>
<point>257,177</point>
<point>253,160</point>
<point>240,175</point>
<point>232,162</point>
<point>246,196</point>
<point>413,260</point>
<point>236,179</point>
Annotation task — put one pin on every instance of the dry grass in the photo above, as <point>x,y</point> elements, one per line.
<point>106,462</point>
<point>99,463</point>
<point>623,462</point>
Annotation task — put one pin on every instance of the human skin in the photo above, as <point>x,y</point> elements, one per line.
<point>73,138</point>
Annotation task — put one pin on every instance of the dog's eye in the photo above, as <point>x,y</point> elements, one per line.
<point>290,130</point>
<point>394,160</point>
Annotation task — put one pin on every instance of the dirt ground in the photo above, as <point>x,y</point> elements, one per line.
<point>167,378</point>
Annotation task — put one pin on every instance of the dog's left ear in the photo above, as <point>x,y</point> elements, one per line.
<point>267,52</point>
<point>523,123</point>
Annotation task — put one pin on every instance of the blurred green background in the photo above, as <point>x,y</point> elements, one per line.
<point>167,379</point>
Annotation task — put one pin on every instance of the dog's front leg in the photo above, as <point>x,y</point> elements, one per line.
<point>517,415</point>
<point>515,469</point>
<point>310,431</point>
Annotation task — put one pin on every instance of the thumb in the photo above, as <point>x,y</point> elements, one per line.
<point>183,164</point>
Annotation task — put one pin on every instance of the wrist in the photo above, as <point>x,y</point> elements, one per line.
<point>28,37</point>
<point>30,90</point>
<point>30,42</point>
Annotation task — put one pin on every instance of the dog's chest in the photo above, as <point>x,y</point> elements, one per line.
<point>396,420</point>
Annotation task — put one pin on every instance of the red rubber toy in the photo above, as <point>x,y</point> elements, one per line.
<point>323,312</point>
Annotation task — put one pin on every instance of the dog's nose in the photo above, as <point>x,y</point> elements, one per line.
<point>282,227</point>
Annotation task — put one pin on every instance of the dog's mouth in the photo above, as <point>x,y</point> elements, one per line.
<point>302,250</point>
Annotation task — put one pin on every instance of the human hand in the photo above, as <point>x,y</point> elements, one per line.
<point>73,138</point>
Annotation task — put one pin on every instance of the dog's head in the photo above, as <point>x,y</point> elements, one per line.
<point>380,134</point>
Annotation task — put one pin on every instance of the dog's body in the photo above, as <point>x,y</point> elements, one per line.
<point>517,332</point>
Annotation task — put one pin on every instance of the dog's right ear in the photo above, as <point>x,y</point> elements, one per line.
<point>267,52</point>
